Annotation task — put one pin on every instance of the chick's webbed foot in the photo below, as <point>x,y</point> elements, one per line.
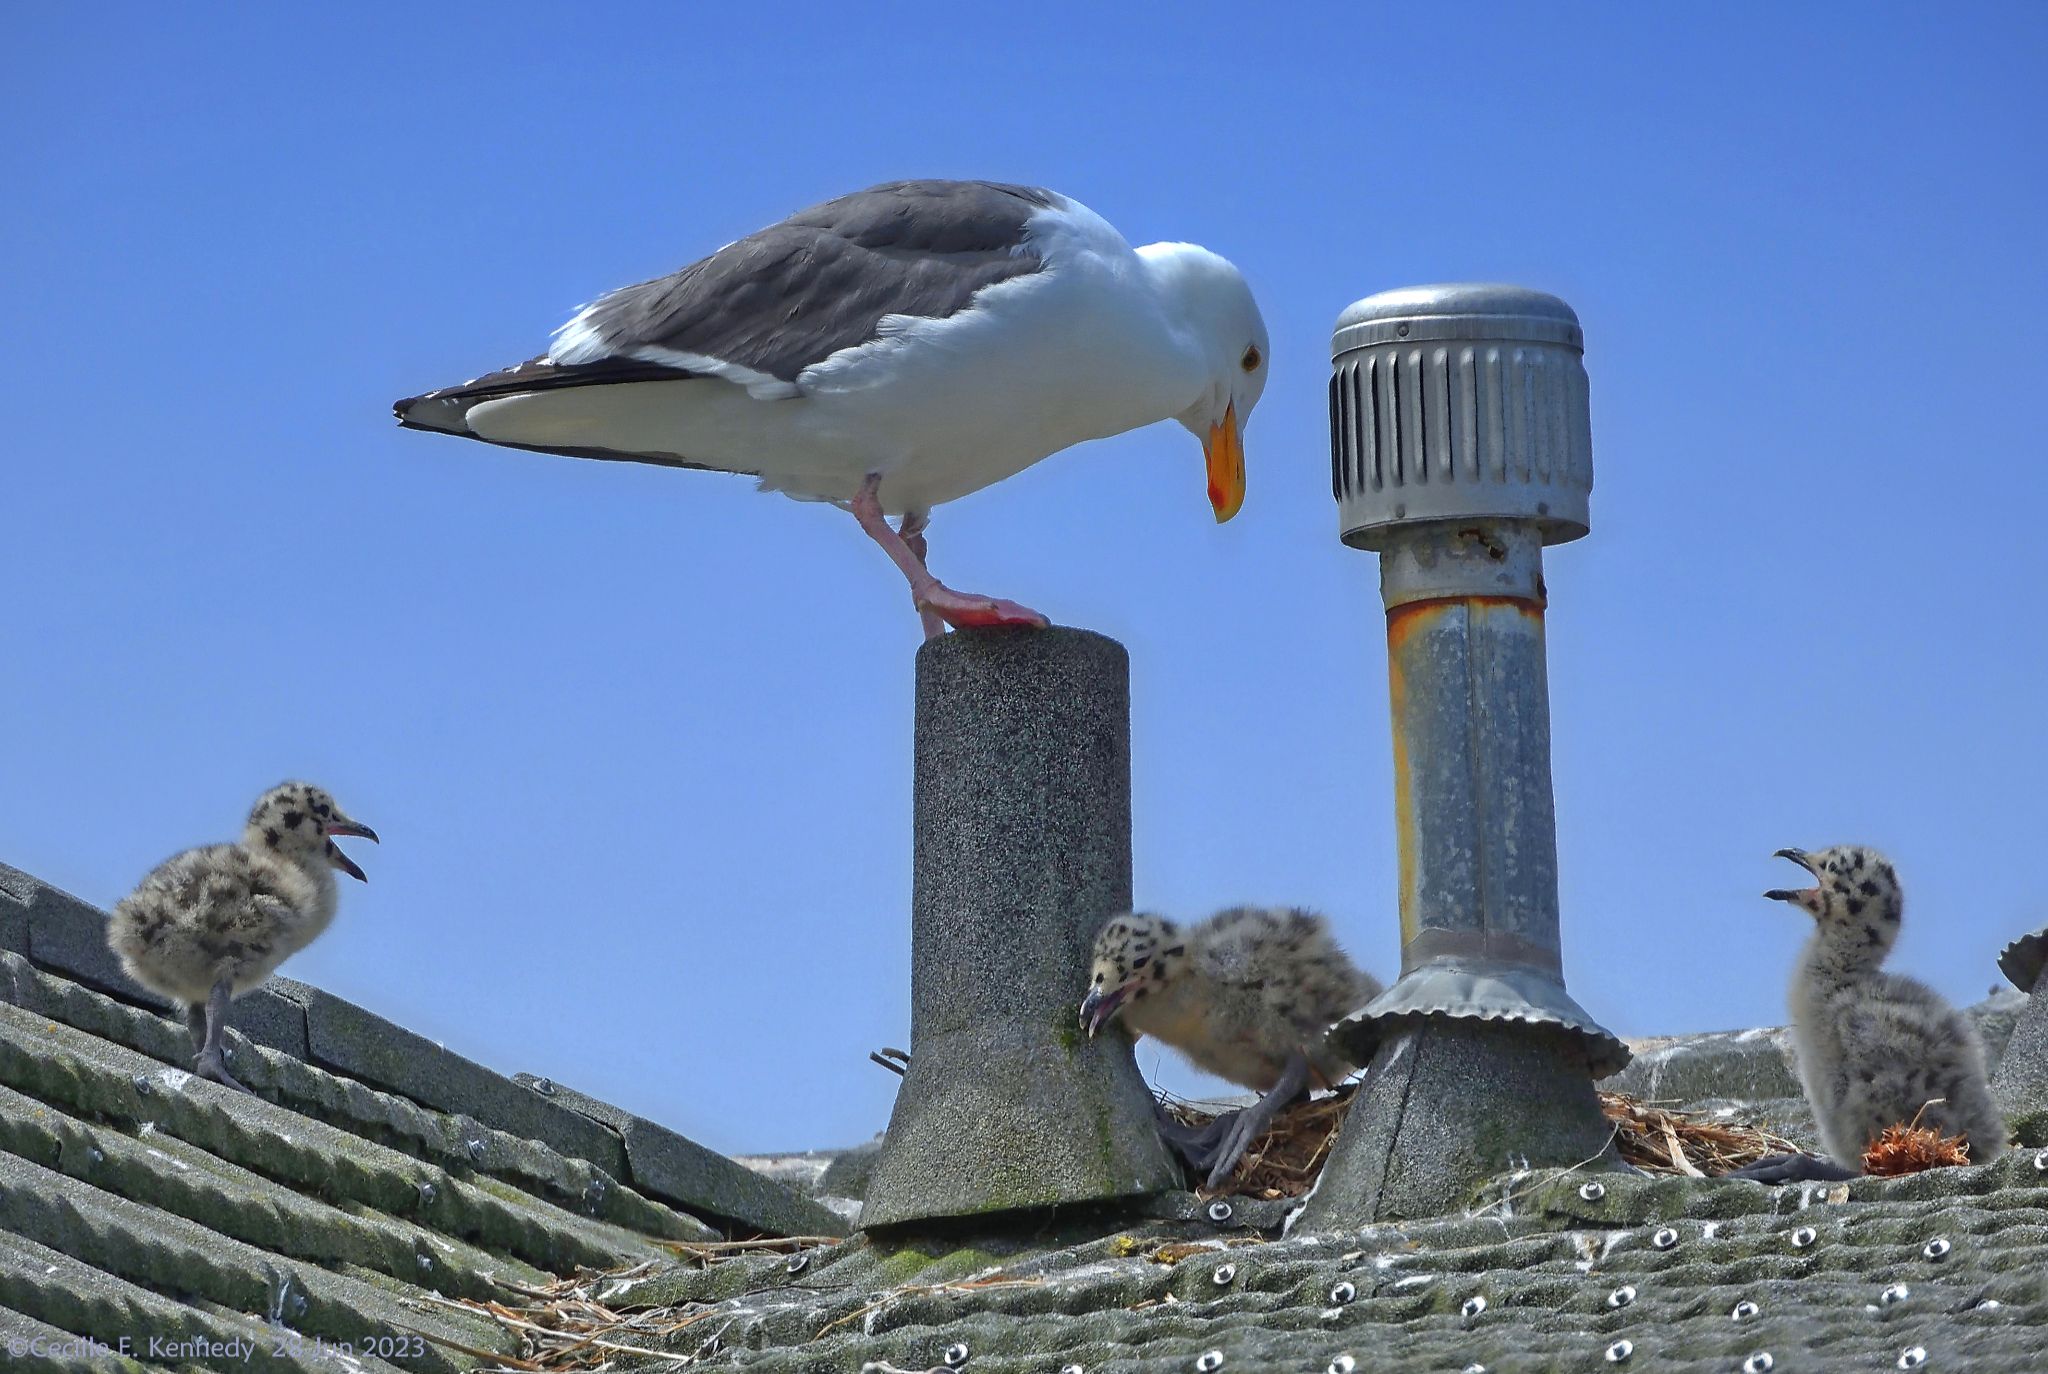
<point>1793,1169</point>
<point>1195,1144</point>
<point>212,1066</point>
<point>1221,1145</point>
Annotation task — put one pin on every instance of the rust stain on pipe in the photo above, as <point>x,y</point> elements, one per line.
<point>1404,624</point>
<point>1404,803</point>
<point>1405,620</point>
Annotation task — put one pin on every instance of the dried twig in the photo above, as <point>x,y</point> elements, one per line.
<point>1910,1148</point>
<point>1661,1141</point>
<point>909,1289</point>
<point>715,1248</point>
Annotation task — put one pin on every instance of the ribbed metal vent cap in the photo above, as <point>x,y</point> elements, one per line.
<point>1456,402</point>
<point>2023,960</point>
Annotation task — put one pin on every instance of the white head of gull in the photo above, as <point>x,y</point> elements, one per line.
<point>206,925</point>
<point>891,350</point>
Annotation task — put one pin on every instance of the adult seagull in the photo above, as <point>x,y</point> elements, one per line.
<point>889,350</point>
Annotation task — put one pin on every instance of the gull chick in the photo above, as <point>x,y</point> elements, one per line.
<point>1874,1049</point>
<point>209,924</point>
<point>1249,995</point>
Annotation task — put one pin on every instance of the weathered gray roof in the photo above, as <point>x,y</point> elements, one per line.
<point>370,1173</point>
<point>1535,1275</point>
<point>1643,1273</point>
<point>376,1183</point>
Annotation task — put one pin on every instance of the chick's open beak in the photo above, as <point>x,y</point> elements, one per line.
<point>1225,451</point>
<point>1098,1007</point>
<point>342,825</point>
<point>1797,896</point>
<point>337,859</point>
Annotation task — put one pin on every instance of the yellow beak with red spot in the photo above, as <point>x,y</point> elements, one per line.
<point>1225,451</point>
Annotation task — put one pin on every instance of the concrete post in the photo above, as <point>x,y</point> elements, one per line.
<point>2020,1087</point>
<point>1461,448</point>
<point>1023,845</point>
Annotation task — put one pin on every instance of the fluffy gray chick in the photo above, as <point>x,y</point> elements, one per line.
<point>1248,995</point>
<point>207,925</point>
<point>1874,1048</point>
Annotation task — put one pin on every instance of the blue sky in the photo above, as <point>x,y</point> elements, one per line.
<point>638,740</point>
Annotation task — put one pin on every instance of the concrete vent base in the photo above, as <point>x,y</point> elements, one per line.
<point>1023,826</point>
<point>1447,1105</point>
<point>2020,1086</point>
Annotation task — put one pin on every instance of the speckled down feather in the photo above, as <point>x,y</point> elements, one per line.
<point>233,910</point>
<point>1874,1048</point>
<point>1239,992</point>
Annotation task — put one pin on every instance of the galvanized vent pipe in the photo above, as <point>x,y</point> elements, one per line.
<point>1461,445</point>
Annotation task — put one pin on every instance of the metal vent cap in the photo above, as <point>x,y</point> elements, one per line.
<point>1457,402</point>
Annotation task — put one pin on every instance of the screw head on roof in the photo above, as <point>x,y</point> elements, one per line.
<point>1474,1305</point>
<point>1342,1364</point>
<point>1989,1305</point>
<point>2041,1161</point>
<point>1620,1351</point>
<point>1803,1237</point>
<point>1744,1310</point>
<point>1473,1369</point>
<point>1223,1275</point>
<point>1894,1293</point>
<point>475,1146</point>
<point>144,1087</point>
<point>1665,1238</point>
<point>1073,1369</point>
<point>1208,1361</point>
<point>1220,1212</point>
<point>1622,1296</point>
<point>797,1263</point>
<point>1592,1192</point>
<point>426,1191</point>
<point>1343,1293</point>
<point>544,1086</point>
<point>1912,1357</point>
<point>1936,1248</point>
<point>956,1355</point>
<point>1759,1363</point>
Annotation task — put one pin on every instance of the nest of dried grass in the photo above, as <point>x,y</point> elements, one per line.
<point>590,1321</point>
<point>1658,1140</point>
<point>1288,1158</point>
<point>1286,1161</point>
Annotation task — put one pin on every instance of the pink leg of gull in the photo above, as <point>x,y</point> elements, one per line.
<point>934,598</point>
<point>910,529</point>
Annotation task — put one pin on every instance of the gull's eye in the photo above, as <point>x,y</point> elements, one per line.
<point>1251,360</point>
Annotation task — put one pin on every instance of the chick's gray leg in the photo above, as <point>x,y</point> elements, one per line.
<point>212,1062</point>
<point>195,1025</point>
<point>1793,1169</point>
<point>1195,1144</point>
<point>1251,1123</point>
